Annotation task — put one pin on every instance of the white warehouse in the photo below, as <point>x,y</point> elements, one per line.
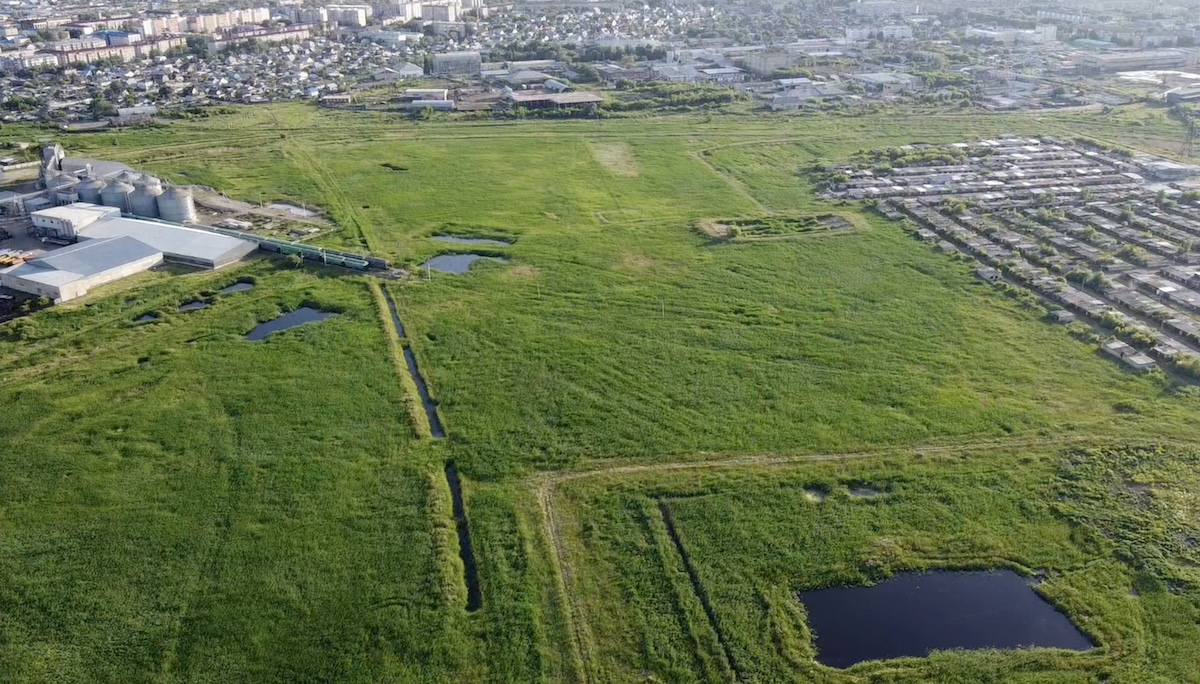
<point>108,246</point>
<point>70,272</point>
<point>191,246</point>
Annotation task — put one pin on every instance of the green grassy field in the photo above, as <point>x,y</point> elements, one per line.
<point>178,504</point>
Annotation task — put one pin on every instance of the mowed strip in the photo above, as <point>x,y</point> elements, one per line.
<point>617,158</point>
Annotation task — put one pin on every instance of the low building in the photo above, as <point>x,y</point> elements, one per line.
<point>72,271</point>
<point>191,246</point>
<point>467,65</point>
<point>889,83</point>
<point>1131,356</point>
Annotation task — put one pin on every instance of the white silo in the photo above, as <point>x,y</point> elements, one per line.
<point>128,176</point>
<point>117,195</point>
<point>176,205</point>
<point>144,200</point>
<point>90,189</point>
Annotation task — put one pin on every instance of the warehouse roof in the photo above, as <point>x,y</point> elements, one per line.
<point>175,242</point>
<point>78,213</point>
<point>82,260</point>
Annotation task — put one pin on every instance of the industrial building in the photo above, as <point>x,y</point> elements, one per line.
<point>72,271</point>
<point>180,244</point>
<point>457,65</point>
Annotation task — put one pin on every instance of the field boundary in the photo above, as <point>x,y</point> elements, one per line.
<point>582,645</point>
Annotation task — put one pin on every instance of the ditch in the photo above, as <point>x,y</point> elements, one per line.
<point>470,572</point>
<point>410,360</point>
<point>697,587</point>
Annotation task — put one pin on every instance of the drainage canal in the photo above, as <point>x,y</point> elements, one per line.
<point>305,314</point>
<point>470,574</point>
<point>697,587</point>
<point>410,360</point>
<point>914,614</point>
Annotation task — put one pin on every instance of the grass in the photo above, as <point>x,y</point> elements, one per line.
<point>753,539</point>
<point>181,505</point>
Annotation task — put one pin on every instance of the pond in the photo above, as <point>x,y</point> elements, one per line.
<point>914,614</point>
<point>145,318</point>
<point>237,287</point>
<point>471,241</point>
<point>194,306</point>
<point>457,263</point>
<point>304,314</point>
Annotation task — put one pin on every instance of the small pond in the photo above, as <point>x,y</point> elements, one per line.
<point>292,209</point>
<point>145,318</point>
<point>457,263</point>
<point>914,614</point>
<point>471,241</point>
<point>237,287</point>
<point>288,320</point>
<point>194,306</point>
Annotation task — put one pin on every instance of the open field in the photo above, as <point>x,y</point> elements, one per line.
<point>179,504</point>
<point>1110,549</point>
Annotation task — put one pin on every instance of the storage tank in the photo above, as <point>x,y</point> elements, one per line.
<point>117,195</point>
<point>176,205</point>
<point>130,177</point>
<point>89,190</point>
<point>144,200</point>
<point>61,182</point>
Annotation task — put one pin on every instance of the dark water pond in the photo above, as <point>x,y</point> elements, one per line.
<point>913,614</point>
<point>456,263</point>
<point>145,318</point>
<point>194,306</point>
<point>237,287</point>
<point>471,241</point>
<point>291,319</point>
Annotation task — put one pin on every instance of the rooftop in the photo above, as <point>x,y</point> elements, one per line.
<point>178,242</point>
<point>82,260</point>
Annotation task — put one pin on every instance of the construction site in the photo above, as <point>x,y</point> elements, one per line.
<point>1103,238</point>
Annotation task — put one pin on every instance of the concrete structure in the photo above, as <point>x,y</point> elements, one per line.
<point>457,65</point>
<point>349,15</point>
<point>1136,60</point>
<point>71,272</point>
<point>1132,357</point>
<point>889,83</point>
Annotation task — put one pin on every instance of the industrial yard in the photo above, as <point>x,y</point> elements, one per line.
<point>678,389</point>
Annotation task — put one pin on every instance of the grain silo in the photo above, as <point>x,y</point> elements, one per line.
<point>90,189</point>
<point>144,200</point>
<point>128,176</point>
<point>176,205</point>
<point>117,195</point>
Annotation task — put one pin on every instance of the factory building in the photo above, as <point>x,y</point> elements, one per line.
<point>180,244</point>
<point>72,271</point>
<point>457,65</point>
